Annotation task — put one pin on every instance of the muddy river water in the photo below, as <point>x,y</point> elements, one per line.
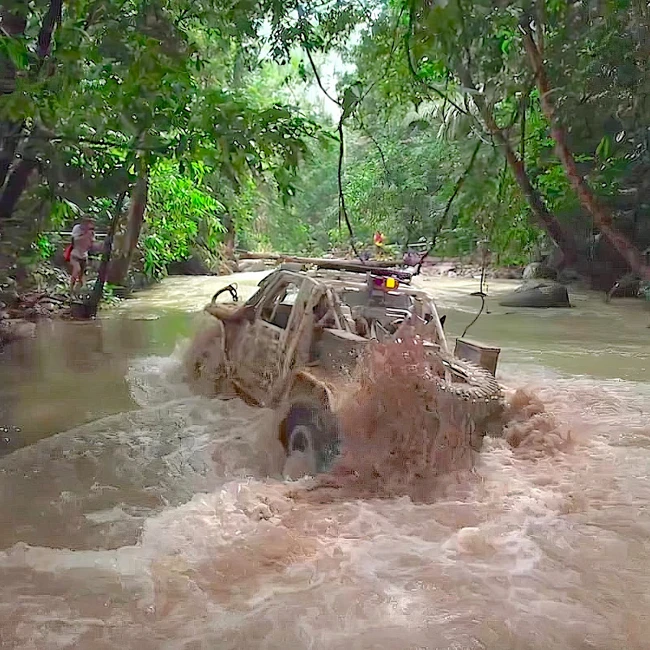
<point>139,516</point>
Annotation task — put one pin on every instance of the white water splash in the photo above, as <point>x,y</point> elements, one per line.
<point>169,527</point>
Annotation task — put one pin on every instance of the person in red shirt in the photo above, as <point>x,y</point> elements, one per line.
<point>378,241</point>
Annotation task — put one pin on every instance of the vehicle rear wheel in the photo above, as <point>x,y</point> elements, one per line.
<point>312,440</point>
<point>478,390</point>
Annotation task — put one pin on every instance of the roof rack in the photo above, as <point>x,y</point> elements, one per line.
<point>358,267</point>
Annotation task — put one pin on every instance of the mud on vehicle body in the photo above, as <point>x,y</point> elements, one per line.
<point>293,346</point>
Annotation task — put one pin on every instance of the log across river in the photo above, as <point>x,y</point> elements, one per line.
<point>141,516</point>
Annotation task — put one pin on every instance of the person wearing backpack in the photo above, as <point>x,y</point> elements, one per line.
<point>76,253</point>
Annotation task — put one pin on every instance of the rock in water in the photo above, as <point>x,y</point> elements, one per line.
<point>537,294</point>
<point>251,266</point>
<point>15,329</point>
<point>537,271</point>
<point>191,266</point>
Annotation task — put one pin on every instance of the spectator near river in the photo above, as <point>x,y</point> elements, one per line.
<point>83,242</point>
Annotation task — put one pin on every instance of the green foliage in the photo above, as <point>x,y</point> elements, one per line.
<point>217,97</point>
<point>44,247</point>
<point>180,216</point>
<point>109,296</point>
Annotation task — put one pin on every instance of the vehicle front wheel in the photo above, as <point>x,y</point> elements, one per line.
<point>311,439</point>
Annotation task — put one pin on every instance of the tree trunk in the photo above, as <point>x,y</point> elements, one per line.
<point>15,186</point>
<point>602,217</point>
<point>229,239</point>
<point>14,27</point>
<point>16,183</point>
<point>51,19</point>
<point>10,134</point>
<point>120,264</point>
<point>564,240</point>
<point>92,305</point>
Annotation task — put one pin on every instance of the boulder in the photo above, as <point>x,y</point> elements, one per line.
<point>444,268</point>
<point>626,287</point>
<point>251,266</point>
<point>15,329</point>
<point>567,276</point>
<point>10,297</point>
<point>291,266</point>
<point>411,258</point>
<point>539,271</point>
<point>191,266</point>
<point>542,294</point>
<point>508,273</point>
<point>9,439</point>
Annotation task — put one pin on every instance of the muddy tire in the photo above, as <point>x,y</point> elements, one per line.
<point>473,383</point>
<point>312,438</point>
<point>479,393</point>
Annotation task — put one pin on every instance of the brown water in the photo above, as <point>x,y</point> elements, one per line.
<point>158,519</point>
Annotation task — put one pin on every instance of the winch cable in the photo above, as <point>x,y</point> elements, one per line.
<point>482,296</point>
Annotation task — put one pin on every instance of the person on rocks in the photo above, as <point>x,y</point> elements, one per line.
<point>83,242</point>
<point>379,241</point>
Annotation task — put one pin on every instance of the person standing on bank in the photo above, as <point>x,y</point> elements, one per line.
<point>83,241</point>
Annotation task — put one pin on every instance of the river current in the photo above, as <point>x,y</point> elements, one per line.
<point>138,515</point>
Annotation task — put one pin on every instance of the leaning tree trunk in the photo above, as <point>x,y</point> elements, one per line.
<point>564,239</point>
<point>92,304</point>
<point>602,217</point>
<point>121,263</point>
<point>15,186</point>
<point>17,179</point>
<point>229,239</point>
<point>14,26</point>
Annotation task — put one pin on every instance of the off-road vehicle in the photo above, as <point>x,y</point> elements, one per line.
<point>293,345</point>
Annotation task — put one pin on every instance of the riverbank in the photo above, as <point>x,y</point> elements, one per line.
<point>43,294</point>
<point>46,295</point>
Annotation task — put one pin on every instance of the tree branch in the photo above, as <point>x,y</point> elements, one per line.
<point>411,64</point>
<point>342,209</point>
<point>318,79</point>
<point>51,19</point>
<point>459,184</point>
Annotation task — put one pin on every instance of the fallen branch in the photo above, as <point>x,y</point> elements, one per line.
<point>317,261</point>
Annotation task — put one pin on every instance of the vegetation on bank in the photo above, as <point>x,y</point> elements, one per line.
<point>518,127</point>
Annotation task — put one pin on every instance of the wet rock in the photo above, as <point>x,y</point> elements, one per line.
<point>9,297</point>
<point>508,273</point>
<point>251,266</point>
<point>538,271</point>
<point>444,268</point>
<point>567,276</point>
<point>15,329</point>
<point>138,280</point>
<point>9,439</point>
<point>411,258</point>
<point>626,287</point>
<point>539,294</point>
<point>191,266</point>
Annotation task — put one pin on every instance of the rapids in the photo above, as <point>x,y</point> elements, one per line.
<point>138,515</point>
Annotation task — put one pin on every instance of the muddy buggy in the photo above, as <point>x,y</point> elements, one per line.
<point>294,345</point>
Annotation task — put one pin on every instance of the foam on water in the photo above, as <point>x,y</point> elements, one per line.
<point>165,528</point>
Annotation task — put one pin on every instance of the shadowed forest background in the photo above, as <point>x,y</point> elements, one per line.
<point>520,127</point>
